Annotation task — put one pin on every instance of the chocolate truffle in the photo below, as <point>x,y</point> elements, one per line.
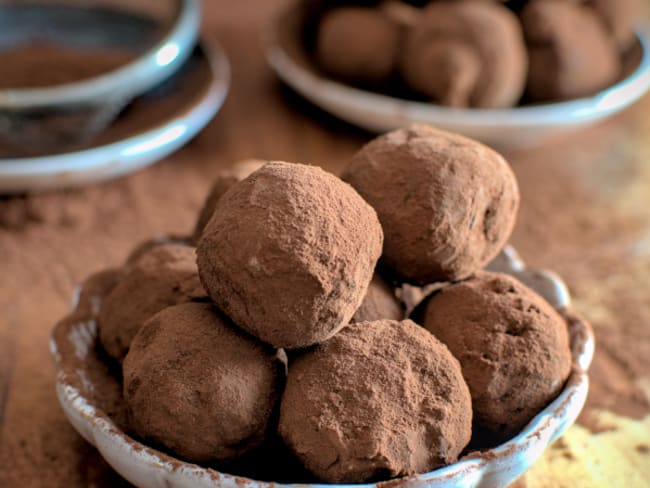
<point>222,183</point>
<point>358,44</point>
<point>376,401</point>
<point>379,303</point>
<point>289,253</point>
<point>199,386</point>
<point>447,204</point>
<point>466,54</point>
<point>164,276</point>
<point>512,345</point>
<point>619,17</point>
<point>571,54</point>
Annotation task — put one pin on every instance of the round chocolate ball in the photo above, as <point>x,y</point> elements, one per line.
<point>620,17</point>
<point>378,400</point>
<point>163,276</point>
<point>379,303</point>
<point>200,387</point>
<point>224,180</point>
<point>358,44</point>
<point>512,345</point>
<point>447,204</point>
<point>289,253</point>
<point>571,53</point>
<point>466,54</point>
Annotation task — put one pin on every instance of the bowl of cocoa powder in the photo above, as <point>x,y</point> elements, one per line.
<point>68,69</point>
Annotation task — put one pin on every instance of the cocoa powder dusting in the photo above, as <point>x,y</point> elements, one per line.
<point>377,401</point>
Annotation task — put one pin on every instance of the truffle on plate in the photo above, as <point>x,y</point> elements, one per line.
<point>447,204</point>
<point>571,53</point>
<point>199,386</point>
<point>377,401</point>
<point>222,183</point>
<point>166,275</point>
<point>379,303</point>
<point>358,44</point>
<point>466,54</point>
<point>289,253</point>
<point>619,17</point>
<point>512,345</point>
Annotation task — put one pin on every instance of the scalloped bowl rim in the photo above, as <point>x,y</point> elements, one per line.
<point>549,424</point>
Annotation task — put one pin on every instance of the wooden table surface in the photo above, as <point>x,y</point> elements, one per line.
<point>585,213</point>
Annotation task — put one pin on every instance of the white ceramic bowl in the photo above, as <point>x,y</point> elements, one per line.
<point>75,339</point>
<point>502,128</point>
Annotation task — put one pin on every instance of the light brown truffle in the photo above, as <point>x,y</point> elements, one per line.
<point>223,182</point>
<point>571,54</point>
<point>376,401</point>
<point>358,44</point>
<point>619,17</point>
<point>289,253</point>
<point>466,54</point>
<point>379,303</point>
<point>199,386</point>
<point>512,345</point>
<point>166,275</point>
<point>447,204</point>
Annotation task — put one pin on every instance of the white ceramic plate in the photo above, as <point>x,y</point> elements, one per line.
<point>145,144</point>
<point>501,128</point>
<point>75,338</point>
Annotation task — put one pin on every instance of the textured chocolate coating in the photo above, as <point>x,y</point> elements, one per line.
<point>447,204</point>
<point>166,275</point>
<point>571,54</point>
<point>512,345</point>
<point>466,54</point>
<point>289,253</point>
<point>199,386</point>
<point>376,401</point>
<point>358,44</point>
<point>619,16</point>
<point>223,182</point>
<point>379,303</point>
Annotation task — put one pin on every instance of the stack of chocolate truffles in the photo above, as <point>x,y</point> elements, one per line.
<point>274,335</point>
<point>473,53</point>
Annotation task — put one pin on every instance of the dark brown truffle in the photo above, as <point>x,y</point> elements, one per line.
<point>166,275</point>
<point>379,303</point>
<point>199,386</point>
<point>289,253</point>
<point>466,54</point>
<point>358,44</point>
<point>222,183</point>
<point>447,204</point>
<point>377,401</point>
<point>571,54</point>
<point>619,17</point>
<point>512,345</point>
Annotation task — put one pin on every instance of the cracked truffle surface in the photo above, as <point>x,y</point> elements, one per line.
<point>289,253</point>
<point>166,275</point>
<point>199,386</point>
<point>466,54</point>
<point>571,53</point>
<point>447,204</point>
<point>376,401</point>
<point>358,44</point>
<point>379,303</point>
<point>512,345</point>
